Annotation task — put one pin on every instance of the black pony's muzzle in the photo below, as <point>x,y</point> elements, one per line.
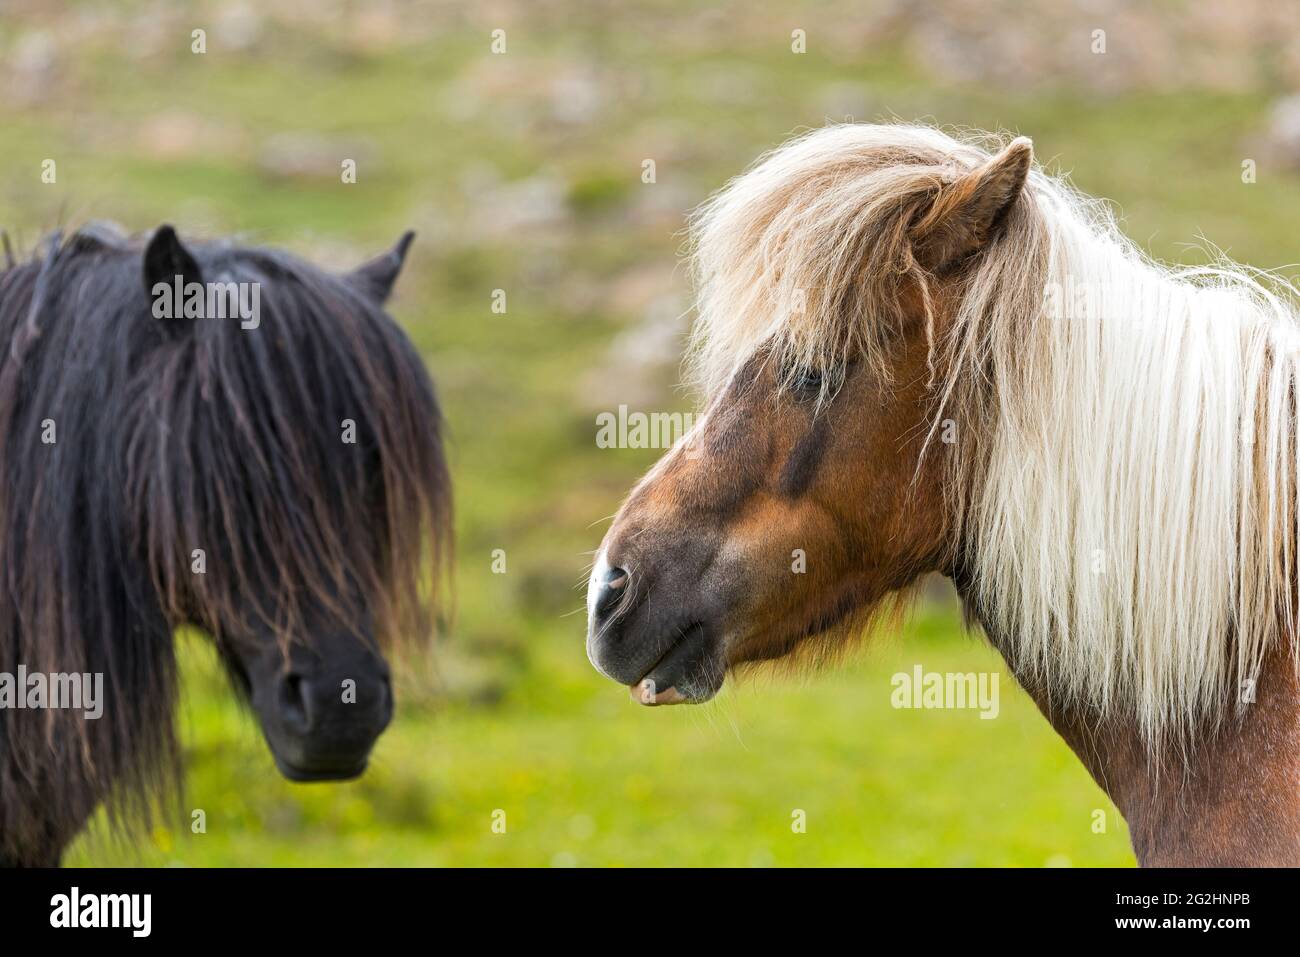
<point>321,712</point>
<point>330,724</point>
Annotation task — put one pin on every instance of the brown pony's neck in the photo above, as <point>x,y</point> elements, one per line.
<point>1231,800</point>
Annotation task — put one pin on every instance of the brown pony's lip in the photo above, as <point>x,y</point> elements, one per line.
<point>646,690</point>
<point>682,633</point>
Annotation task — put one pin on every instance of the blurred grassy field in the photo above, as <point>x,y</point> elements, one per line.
<point>585,777</point>
<point>522,172</point>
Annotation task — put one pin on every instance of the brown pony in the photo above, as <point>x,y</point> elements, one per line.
<point>922,355</point>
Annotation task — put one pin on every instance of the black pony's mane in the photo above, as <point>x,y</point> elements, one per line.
<point>171,436</point>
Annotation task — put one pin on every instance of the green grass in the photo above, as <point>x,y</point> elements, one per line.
<point>514,718</point>
<point>584,776</point>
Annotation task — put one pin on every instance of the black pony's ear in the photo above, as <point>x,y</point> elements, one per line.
<point>165,259</point>
<point>376,278</point>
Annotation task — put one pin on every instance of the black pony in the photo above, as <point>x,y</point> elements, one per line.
<point>220,436</point>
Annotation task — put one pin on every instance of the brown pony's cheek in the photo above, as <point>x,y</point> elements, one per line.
<point>790,556</point>
<point>824,542</point>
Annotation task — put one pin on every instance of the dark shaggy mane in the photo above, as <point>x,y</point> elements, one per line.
<point>171,438</point>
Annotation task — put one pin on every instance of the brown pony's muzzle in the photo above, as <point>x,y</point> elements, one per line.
<point>653,630</point>
<point>663,595</point>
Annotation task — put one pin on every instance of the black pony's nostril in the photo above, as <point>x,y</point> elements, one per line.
<point>293,703</point>
<point>612,588</point>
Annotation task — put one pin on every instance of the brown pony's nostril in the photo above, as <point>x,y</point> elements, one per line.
<point>611,590</point>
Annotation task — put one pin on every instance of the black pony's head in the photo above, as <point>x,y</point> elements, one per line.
<point>221,436</point>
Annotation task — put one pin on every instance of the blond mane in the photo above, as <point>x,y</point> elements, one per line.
<point>1123,479</point>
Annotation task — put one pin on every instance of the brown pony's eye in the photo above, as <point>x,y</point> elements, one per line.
<point>808,383</point>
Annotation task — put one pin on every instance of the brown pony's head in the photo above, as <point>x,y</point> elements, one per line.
<point>815,488</point>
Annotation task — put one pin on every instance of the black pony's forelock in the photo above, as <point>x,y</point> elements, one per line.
<point>128,446</point>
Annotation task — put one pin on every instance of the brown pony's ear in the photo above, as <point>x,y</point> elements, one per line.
<point>964,214</point>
